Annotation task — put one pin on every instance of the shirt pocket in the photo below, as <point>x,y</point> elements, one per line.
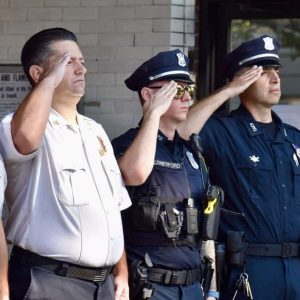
<point>114,178</point>
<point>296,171</point>
<point>258,175</point>
<point>73,186</point>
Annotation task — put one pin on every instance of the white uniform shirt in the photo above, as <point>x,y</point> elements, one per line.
<point>2,184</point>
<point>65,198</point>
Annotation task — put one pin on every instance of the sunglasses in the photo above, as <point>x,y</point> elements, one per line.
<point>191,89</point>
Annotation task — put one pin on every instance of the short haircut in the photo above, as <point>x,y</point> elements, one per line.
<point>38,48</point>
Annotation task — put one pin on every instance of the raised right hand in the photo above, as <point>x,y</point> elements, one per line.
<point>55,70</point>
<point>160,101</point>
<point>243,79</point>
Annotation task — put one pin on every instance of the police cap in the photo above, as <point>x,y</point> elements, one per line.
<point>262,51</point>
<point>166,65</point>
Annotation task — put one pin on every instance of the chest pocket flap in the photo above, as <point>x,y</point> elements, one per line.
<point>257,174</point>
<point>73,185</point>
<point>253,162</point>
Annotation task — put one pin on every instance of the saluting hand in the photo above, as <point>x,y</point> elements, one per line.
<point>243,79</point>
<point>161,100</point>
<point>55,71</point>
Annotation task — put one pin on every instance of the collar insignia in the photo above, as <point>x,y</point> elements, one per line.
<point>181,60</point>
<point>269,43</point>
<point>159,137</point>
<point>55,122</point>
<point>254,158</point>
<point>253,127</point>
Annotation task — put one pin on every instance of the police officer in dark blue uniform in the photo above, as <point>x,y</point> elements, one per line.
<point>255,158</point>
<point>167,183</point>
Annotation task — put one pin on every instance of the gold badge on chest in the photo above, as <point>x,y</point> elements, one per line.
<point>102,148</point>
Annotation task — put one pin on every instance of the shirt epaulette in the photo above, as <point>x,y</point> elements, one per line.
<point>288,126</point>
<point>87,118</point>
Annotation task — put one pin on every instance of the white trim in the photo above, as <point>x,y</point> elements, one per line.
<point>168,73</point>
<point>258,56</point>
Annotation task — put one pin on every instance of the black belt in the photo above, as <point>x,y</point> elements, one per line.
<point>278,250</point>
<point>61,268</point>
<point>169,277</point>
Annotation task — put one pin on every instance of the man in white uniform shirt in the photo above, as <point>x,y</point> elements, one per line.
<point>65,190</point>
<point>4,291</point>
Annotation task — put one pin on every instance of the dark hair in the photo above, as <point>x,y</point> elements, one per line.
<point>37,49</point>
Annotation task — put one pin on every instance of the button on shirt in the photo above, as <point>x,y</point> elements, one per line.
<point>260,176</point>
<point>65,198</point>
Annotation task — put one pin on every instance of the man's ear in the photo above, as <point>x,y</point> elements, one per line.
<point>146,94</point>
<point>35,73</point>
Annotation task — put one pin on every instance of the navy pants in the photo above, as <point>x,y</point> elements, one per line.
<point>27,282</point>
<point>269,277</point>
<point>177,292</point>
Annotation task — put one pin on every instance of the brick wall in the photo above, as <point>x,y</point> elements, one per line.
<point>116,36</point>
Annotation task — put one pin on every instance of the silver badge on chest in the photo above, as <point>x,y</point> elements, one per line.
<point>192,160</point>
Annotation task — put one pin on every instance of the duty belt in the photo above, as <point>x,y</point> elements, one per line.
<point>171,277</point>
<point>61,268</point>
<point>277,250</point>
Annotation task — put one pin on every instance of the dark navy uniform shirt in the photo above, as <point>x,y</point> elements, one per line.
<point>184,178</point>
<point>260,176</point>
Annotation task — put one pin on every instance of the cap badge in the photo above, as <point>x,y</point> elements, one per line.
<point>269,43</point>
<point>181,60</point>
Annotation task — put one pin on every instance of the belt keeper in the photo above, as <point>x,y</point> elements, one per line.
<point>168,276</point>
<point>188,278</point>
<point>286,250</point>
<point>62,269</point>
<point>175,277</point>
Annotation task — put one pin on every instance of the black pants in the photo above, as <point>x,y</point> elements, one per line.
<point>27,282</point>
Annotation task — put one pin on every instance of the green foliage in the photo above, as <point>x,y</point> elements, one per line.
<point>287,31</point>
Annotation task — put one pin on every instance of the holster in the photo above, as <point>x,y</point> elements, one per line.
<point>139,287</point>
<point>212,209</point>
<point>236,251</point>
<point>145,213</point>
